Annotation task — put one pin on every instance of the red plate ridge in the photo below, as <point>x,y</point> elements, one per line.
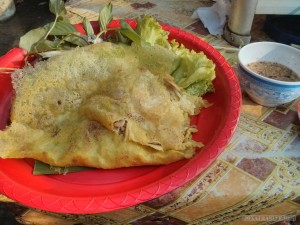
<point>85,192</point>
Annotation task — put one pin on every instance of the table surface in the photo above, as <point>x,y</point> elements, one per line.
<point>257,175</point>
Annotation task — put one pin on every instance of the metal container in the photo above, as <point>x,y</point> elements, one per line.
<point>237,30</point>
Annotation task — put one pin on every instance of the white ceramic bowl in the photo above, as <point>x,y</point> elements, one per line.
<point>266,91</point>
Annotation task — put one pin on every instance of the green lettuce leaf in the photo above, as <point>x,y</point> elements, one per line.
<point>200,88</point>
<point>151,31</point>
<point>192,71</point>
<point>148,30</point>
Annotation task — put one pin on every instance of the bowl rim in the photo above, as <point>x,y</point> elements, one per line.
<point>261,77</point>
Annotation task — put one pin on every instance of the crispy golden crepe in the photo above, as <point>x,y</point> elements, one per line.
<point>103,106</point>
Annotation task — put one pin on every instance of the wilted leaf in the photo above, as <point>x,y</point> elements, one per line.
<point>31,37</point>
<point>127,31</point>
<point>75,40</point>
<point>87,26</point>
<point>44,45</point>
<point>118,37</point>
<point>57,7</point>
<point>105,16</point>
<point>41,168</point>
<point>63,19</point>
<point>61,34</point>
<point>62,28</point>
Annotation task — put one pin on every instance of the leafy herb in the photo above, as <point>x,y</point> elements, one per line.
<point>128,32</point>
<point>41,168</point>
<point>57,7</point>
<point>105,16</point>
<point>61,34</point>
<point>62,28</point>
<point>30,38</point>
<point>87,26</point>
<point>44,46</point>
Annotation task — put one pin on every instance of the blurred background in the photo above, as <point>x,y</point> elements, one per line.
<point>29,14</point>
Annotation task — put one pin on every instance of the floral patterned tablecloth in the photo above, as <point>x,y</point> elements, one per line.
<point>257,178</point>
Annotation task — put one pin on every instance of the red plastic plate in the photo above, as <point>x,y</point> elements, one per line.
<point>95,191</point>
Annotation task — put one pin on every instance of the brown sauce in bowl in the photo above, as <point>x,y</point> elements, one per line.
<point>274,71</point>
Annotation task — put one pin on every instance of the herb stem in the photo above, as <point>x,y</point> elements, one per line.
<point>226,49</point>
<point>99,34</point>
<point>3,68</point>
<point>104,31</point>
<point>51,28</point>
<point>7,70</point>
<point>76,35</point>
<point>81,37</point>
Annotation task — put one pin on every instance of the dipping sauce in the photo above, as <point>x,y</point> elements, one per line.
<point>274,71</point>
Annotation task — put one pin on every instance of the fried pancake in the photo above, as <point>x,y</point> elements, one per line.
<point>104,106</point>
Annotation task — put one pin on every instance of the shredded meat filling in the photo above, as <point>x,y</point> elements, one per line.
<point>120,126</point>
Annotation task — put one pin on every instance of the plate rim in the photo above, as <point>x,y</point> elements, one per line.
<point>67,204</point>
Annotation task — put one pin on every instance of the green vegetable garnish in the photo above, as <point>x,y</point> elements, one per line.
<point>43,168</point>
<point>192,71</point>
<point>61,34</point>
